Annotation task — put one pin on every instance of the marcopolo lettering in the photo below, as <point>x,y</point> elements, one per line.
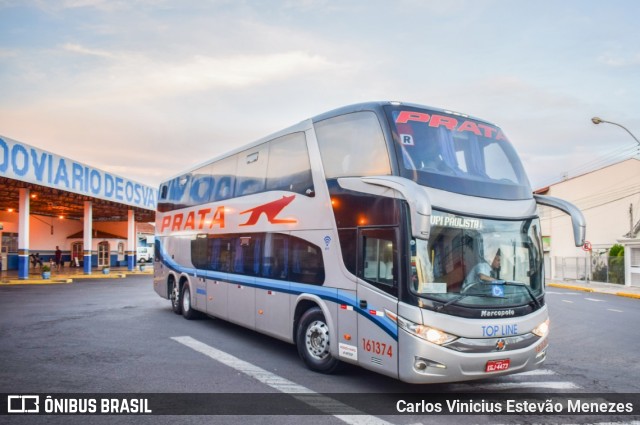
<point>29,164</point>
<point>497,313</point>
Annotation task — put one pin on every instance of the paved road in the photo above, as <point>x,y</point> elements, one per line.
<point>595,340</point>
<point>118,336</point>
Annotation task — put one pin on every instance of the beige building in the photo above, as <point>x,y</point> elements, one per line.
<point>610,201</point>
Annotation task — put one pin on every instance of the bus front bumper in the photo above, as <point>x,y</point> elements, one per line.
<point>422,362</point>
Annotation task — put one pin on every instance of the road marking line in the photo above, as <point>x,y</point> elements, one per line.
<point>567,301</point>
<point>562,293</point>
<point>602,423</point>
<point>515,385</point>
<point>615,311</point>
<point>324,404</point>
<point>594,300</point>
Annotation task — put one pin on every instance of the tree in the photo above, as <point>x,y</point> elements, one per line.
<point>616,250</point>
<point>616,264</point>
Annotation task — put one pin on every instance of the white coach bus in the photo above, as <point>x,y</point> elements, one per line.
<point>400,238</point>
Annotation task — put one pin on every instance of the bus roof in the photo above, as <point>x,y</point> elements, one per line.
<point>378,105</point>
<point>306,124</point>
<point>301,126</point>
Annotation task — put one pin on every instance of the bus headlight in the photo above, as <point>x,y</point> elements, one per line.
<point>542,329</point>
<point>433,335</point>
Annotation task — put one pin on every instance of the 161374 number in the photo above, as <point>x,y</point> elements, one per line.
<point>377,347</point>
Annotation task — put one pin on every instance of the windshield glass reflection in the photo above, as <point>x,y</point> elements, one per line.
<point>490,262</point>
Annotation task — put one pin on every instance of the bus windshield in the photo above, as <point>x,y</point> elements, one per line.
<point>455,153</point>
<point>478,262</point>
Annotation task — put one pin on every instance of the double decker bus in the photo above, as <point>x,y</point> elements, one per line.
<point>401,238</point>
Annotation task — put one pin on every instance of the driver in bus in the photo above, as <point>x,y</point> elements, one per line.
<point>482,271</point>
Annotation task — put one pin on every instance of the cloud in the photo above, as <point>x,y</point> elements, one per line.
<point>140,76</point>
<point>619,61</point>
<point>77,48</point>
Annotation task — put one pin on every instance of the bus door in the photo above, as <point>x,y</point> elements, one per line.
<point>378,267</point>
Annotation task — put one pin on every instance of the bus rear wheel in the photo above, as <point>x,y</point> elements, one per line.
<point>176,304</point>
<point>313,342</point>
<point>187,311</point>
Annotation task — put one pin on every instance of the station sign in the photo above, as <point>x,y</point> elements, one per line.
<point>19,161</point>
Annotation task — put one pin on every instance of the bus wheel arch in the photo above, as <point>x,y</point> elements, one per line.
<point>313,337</point>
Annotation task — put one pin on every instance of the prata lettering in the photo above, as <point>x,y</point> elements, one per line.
<point>451,123</point>
<point>200,219</point>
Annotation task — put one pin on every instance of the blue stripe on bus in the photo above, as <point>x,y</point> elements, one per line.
<point>287,287</point>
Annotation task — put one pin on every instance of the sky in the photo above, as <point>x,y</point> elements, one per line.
<point>147,88</point>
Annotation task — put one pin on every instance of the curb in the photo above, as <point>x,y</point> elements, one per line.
<point>574,287</point>
<point>35,282</point>
<point>585,289</point>
<point>628,295</point>
<point>65,280</point>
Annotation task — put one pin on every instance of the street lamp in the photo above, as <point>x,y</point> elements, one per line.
<point>597,120</point>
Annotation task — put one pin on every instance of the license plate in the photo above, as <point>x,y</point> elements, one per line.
<point>497,365</point>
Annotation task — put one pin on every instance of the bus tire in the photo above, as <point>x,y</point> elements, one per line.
<point>176,304</point>
<point>312,340</point>
<point>185,299</point>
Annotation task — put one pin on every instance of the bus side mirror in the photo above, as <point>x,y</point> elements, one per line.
<point>416,197</point>
<point>577,219</point>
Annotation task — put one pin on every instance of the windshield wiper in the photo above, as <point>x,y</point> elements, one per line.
<point>495,282</point>
<point>521,285</point>
<point>460,297</point>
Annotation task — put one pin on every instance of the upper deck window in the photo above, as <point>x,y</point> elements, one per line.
<point>353,145</point>
<point>457,154</point>
<point>279,164</point>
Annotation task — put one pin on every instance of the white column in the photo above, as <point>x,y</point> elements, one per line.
<point>23,234</point>
<point>88,239</point>
<point>131,240</point>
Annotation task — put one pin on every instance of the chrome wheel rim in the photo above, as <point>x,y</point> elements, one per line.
<point>186,300</point>
<point>317,340</point>
<point>174,294</point>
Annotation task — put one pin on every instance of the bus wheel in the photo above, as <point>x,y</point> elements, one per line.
<point>176,305</point>
<point>187,312</point>
<point>313,342</point>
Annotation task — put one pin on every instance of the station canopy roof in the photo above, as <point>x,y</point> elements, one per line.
<point>52,202</point>
<point>59,186</point>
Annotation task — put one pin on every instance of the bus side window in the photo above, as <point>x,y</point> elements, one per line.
<point>353,145</point>
<point>199,251</point>
<point>252,170</point>
<point>275,261</point>
<point>224,171</point>
<point>378,259</point>
<point>289,168</point>
<point>223,190</point>
<point>348,244</point>
<point>307,265</point>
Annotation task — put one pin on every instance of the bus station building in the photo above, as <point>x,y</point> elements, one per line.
<point>49,201</point>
